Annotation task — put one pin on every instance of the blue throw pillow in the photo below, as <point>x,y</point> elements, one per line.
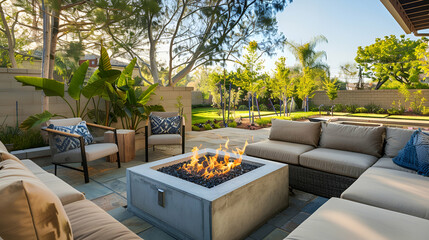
<point>415,154</point>
<point>160,125</point>
<point>63,143</point>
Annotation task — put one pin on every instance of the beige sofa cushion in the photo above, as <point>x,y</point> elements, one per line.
<point>286,152</point>
<point>396,138</point>
<point>393,190</point>
<point>29,210</point>
<point>66,193</point>
<point>32,166</point>
<point>386,162</point>
<point>296,132</point>
<point>90,222</point>
<point>3,147</point>
<point>340,219</point>
<point>350,164</point>
<point>367,140</point>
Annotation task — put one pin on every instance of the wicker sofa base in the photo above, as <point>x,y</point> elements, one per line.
<point>318,182</point>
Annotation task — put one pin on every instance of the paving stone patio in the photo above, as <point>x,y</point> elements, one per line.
<point>107,186</point>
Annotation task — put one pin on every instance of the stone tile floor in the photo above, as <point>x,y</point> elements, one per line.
<point>107,186</point>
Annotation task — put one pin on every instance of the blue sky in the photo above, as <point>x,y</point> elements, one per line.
<point>346,24</point>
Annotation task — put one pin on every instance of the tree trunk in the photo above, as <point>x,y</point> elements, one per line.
<point>10,40</point>
<point>53,42</point>
<point>153,64</point>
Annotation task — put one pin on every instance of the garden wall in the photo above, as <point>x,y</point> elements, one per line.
<point>198,98</point>
<point>382,98</point>
<point>30,100</point>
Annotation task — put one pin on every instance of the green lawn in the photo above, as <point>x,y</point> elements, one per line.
<point>200,115</point>
<point>368,115</point>
<point>405,117</point>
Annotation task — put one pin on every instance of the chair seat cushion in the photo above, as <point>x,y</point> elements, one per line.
<point>93,152</point>
<point>387,162</point>
<point>350,164</point>
<point>340,219</point>
<point>393,190</point>
<point>165,139</point>
<point>90,222</point>
<point>66,193</point>
<point>286,152</point>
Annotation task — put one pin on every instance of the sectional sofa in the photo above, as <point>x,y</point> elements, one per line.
<point>36,204</point>
<point>372,197</point>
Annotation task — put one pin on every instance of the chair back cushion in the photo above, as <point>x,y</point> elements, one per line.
<point>165,125</point>
<point>396,139</point>
<point>64,121</point>
<point>367,140</point>
<point>296,132</point>
<point>63,143</point>
<point>415,154</point>
<point>29,210</point>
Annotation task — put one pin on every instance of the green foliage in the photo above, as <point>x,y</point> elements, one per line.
<point>36,120</point>
<point>21,139</point>
<point>277,107</point>
<point>372,108</point>
<point>49,86</point>
<point>381,111</point>
<point>392,59</point>
<point>195,128</point>
<point>263,122</point>
<point>331,88</point>
<point>208,127</point>
<point>415,99</point>
<point>340,108</point>
<point>243,107</point>
<point>232,124</point>
<point>361,110</point>
<point>216,125</point>
<point>351,108</point>
<point>263,107</point>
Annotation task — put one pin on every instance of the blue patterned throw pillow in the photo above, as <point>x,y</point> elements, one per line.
<point>63,143</point>
<point>415,154</point>
<point>160,125</point>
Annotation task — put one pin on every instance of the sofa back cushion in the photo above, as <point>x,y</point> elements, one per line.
<point>296,132</point>
<point>396,139</point>
<point>367,140</point>
<point>29,210</point>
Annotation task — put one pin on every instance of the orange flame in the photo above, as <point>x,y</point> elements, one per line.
<point>211,166</point>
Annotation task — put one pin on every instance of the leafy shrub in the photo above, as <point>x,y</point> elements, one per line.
<point>277,107</point>
<point>216,125</point>
<point>243,107</point>
<point>195,128</point>
<point>232,124</point>
<point>395,111</point>
<point>339,108</point>
<point>263,107</point>
<point>361,110</point>
<point>351,108</point>
<point>381,111</point>
<point>425,111</point>
<point>21,139</point>
<point>263,122</point>
<point>201,105</point>
<point>372,108</point>
<point>208,127</point>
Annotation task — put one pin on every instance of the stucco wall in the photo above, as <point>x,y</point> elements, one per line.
<point>383,98</point>
<point>30,101</point>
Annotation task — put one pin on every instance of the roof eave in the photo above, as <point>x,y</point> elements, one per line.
<point>395,9</point>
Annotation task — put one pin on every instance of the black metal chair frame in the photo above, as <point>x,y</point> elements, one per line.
<point>82,148</point>
<point>146,133</point>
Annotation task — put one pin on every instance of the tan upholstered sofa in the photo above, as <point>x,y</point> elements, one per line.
<point>36,204</point>
<point>379,199</point>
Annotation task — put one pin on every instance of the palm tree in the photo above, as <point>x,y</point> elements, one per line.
<point>309,61</point>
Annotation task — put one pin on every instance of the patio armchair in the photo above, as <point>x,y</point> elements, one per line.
<point>164,139</point>
<point>84,153</point>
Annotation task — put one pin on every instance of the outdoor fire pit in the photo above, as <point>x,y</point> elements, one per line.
<point>208,194</point>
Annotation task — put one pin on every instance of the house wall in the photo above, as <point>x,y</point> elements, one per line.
<point>382,98</point>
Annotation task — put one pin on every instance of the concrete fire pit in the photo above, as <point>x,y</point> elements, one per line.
<point>231,210</point>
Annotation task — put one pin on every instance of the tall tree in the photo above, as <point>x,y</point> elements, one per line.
<point>311,64</point>
<point>281,85</point>
<point>191,33</point>
<point>391,59</point>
